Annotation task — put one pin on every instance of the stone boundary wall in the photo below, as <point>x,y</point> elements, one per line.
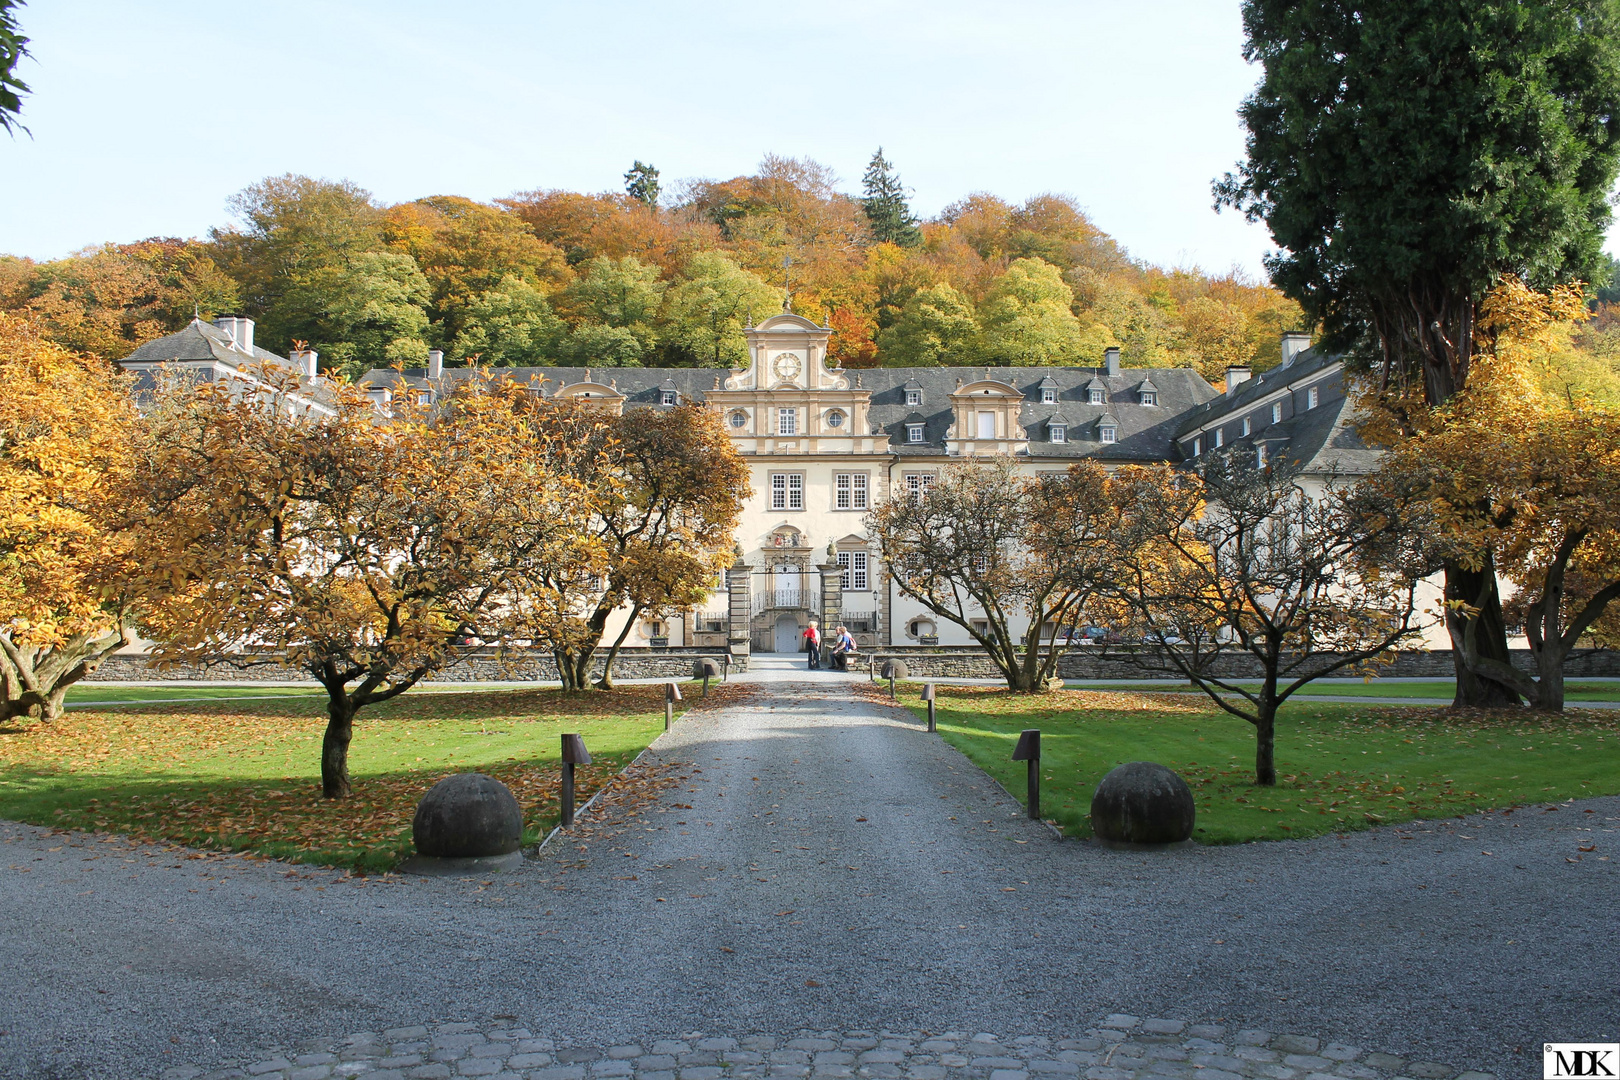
<point>480,666</point>
<point>1144,662</point>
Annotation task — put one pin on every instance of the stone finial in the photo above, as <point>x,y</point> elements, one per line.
<point>832,551</point>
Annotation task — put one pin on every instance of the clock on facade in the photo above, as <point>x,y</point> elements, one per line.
<point>788,365</point>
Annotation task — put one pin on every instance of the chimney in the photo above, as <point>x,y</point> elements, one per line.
<point>435,363</point>
<point>306,361</point>
<point>1294,343</point>
<point>1236,376</point>
<point>240,330</point>
<point>1111,359</point>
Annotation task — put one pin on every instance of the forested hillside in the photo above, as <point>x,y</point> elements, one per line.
<point>661,278</point>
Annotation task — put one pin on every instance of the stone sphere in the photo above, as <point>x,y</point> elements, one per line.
<point>465,816</point>
<point>1142,803</point>
<point>895,669</point>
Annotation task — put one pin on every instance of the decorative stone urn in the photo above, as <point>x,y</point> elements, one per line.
<point>1141,804</point>
<point>466,823</point>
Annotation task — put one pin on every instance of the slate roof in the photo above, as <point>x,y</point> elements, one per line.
<point>198,341</point>
<point>1305,365</point>
<point>1145,432</point>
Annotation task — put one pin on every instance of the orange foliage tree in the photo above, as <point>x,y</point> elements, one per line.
<point>328,540</point>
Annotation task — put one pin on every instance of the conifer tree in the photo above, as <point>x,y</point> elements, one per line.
<point>641,183</point>
<point>884,201</point>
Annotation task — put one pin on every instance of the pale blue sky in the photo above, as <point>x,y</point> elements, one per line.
<point>147,116</point>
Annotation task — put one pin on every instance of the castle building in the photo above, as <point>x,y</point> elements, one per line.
<point>825,445</point>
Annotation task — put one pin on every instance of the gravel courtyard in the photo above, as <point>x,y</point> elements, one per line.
<point>814,860</point>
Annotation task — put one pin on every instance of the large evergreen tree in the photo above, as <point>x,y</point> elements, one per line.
<point>13,47</point>
<point>1407,153</point>
<point>884,202</point>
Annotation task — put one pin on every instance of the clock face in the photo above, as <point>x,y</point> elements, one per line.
<point>788,365</point>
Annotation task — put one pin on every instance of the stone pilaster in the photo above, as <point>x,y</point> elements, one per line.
<point>739,583</point>
<point>832,595</point>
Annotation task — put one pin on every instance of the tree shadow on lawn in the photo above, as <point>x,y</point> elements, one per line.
<point>1341,767</point>
<point>245,776</point>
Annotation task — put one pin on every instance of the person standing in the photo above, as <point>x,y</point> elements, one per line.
<point>812,644</point>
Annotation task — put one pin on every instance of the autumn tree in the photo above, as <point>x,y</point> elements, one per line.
<point>667,488</point>
<point>353,546</point>
<point>936,326</point>
<point>1302,576</point>
<point>883,201</point>
<point>1527,481</point>
<point>1506,121</point>
<point>65,582</point>
<point>1026,319</point>
<point>985,547</point>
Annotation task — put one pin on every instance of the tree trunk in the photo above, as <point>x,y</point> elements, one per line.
<point>335,746</point>
<point>1550,672</point>
<point>1265,744</point>
<point>1478,587</point>
<point>606,681</point>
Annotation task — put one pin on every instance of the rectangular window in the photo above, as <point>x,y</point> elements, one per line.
<point>855,578</point>
<point>1149,397</point>
<point>1198,446</point>
<point>1095,397</point>
<point>919,483</point>
<point>987,425</point>
<point>1107,434</point>
<point>787,491</point>
<point>1248,426</point>
<point>1048,395</point>
<point>914,433</point>
<point>1260,454</point>
<point>913,397</point>
<point>1060,433</point>
<point>1312,398</point>
<point>669,397</point>
<point>1220,438</point>
<point>1276,412</point>
<point>849,491</point>
<point>787,421</point>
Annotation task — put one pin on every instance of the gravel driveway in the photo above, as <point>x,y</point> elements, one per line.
<point>822,863</point>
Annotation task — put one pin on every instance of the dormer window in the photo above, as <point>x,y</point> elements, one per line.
<point>914,433</point>
<point>913,397</point>
<point>670,397</point>
<point>1107,433</point>
<point>1048,395</point>
<point>1312,398</point>
<point>1094,396</point>
<point>1059,432</point>
<point>1149,397</point>
<point>1276,412</point>
<point>1248,426</point>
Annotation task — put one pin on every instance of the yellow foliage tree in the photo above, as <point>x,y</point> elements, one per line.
<point>64,442</point>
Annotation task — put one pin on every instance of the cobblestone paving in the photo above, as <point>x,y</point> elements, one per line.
<point>1120,1048</point>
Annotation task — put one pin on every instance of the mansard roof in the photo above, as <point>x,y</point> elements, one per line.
<point>1145,432</point>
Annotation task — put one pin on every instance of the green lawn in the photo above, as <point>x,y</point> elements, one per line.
<point>244,775</point>
<point>1438,689</point>
<point>1341,766</point>
<point>135,695</point>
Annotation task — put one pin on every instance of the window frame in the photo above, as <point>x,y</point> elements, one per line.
<point>855,575</point>
<point>1313,398</point>
<point>1248,426</point>
<point>670,397</point>
<point>834,419</point>
<point>1276,412</point>
<point>1058,433</point>
<point>789,491</point>
<point>916,433</point>
<point>1220,438</point>
<point>853,489</point>
<point>1149,397</point>
<point>1095,397</point>
<point>737,419</point>
<point>1107,433</point>
<point>1048,396</point>
<point>918,483</point>
<point>913,397</point>
<point>787,420</point>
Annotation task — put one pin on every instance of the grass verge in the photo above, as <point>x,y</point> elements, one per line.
<point>245,775</point>
<point>1340,766</point>
<point>1438,689</point>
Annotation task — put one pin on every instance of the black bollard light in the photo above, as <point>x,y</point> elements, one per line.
<point>1029,749</point>
<point>672,694</point>
<point>573,753</point>
<point>892,670</point>
<point>705,669</point>
<point>928,696</point>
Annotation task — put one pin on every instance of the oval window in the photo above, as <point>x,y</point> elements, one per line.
<point>835,419</point>
<point>739,419</point>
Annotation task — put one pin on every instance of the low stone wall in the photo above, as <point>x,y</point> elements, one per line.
<point>479,666</point>
<point>1147,662</point>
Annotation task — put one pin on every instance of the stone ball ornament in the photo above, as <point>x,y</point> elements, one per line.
<point>1142,803</point>
<point>465,823</point>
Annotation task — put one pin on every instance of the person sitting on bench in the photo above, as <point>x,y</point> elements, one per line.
<point>843,649</point>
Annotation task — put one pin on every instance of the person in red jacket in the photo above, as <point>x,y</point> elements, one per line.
<point>812,644</point>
